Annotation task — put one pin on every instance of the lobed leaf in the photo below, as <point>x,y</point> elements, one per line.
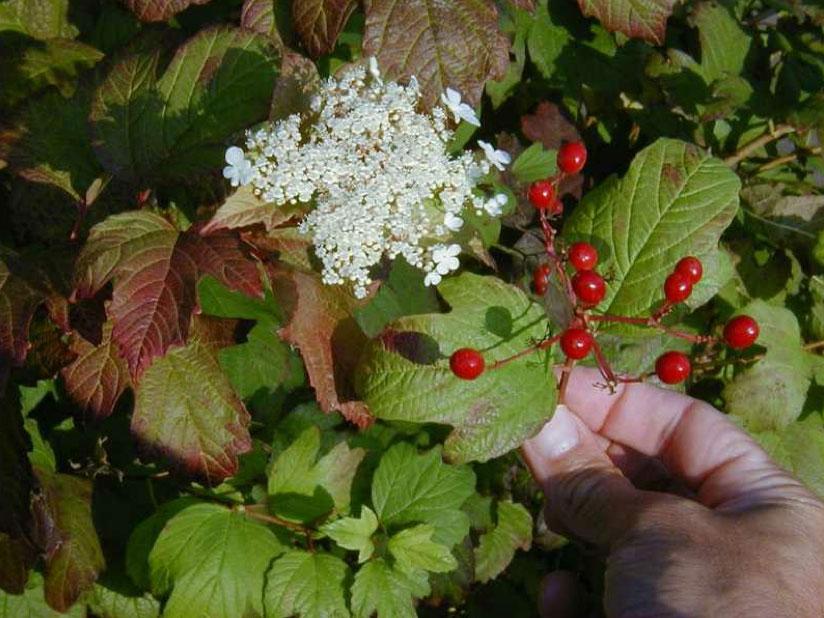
<point>642,19</point>
<point>383,590</point>
<point>404,375</point>
<point>186,410</point>
<point>97,376</point>
<point>321,326</point>
<point>306,584</point>
<point>209,578</point>
<point>355,533</point>
<point>412,488</point>
<point>155,271</point>
<point>497,546</point>
<point>22,291</point>
<point>149,127</point>
<point>30,603</point>
<point>40,19</point>
<point>413,549</point>
<point>443,44</point>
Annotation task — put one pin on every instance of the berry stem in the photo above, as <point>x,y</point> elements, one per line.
<point>603,365</point>
<point>543,344</point>
<point>554,258</point>
<point>562,385</point>
<point>652,322</point>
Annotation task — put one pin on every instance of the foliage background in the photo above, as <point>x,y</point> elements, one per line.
<point>188,419</point>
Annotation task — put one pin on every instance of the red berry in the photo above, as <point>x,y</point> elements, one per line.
<point>583,256</point>
<point>576,343</point>
<point>589,287</point>
<point>677,288</point>
<point>572,157</point>
<point>540,279</point>
<point>542,194</point>
<point>741,332</point>
<point>672,367</point>
<point>467,363</point>
<point>691,268</point>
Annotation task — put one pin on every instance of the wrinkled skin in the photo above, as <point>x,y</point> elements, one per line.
<point>739,537</point>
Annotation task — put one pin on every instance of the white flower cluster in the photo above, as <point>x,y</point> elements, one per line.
<point>376,170</point>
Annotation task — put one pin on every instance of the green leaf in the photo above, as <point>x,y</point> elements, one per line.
<point>496,547</point>
<point>534,163</point>
<point>28,67</point>
<point>412,488</point>
<point>642,19</point>
<point>117,597</point>
<point>186,410</point>
<point>50,144</point>
<point>32,604</point>
<point>444,44</point>
<point>546,40</point>
<point>218,300</point>
<point>724,45</point>
<point>41,454</point>
<point>403,293</point>
<point>674,201</point>
<point>263,364</point>
<point>147,126</point>
<point>770,394</point>
<point>413,548</point>
<point>355,533</point>
<point>65,530</point>
<point>308,585</point>
<point>305,489</point>
<point>405,375</point>
<point>388,592</point>
<point>799,447</point>
<point>40,19</point>
<point>213,559</point>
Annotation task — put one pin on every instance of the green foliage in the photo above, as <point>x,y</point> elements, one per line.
<point>192,423</point>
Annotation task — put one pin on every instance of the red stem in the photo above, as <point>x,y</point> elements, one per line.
<point>541,345</point>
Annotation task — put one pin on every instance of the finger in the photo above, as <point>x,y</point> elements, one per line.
<point>562,596</point>
<point>587,496</point>
<point>697,444</point>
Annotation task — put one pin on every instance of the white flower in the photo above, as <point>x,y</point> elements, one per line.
<point>446,258</point>
<point>432,278</point>
<point>375,170</point>
<point>494,205</point>
<point>498,158</point>
<point>453,221</point>
<point>239,171</point>
<point>461,111</point>
<point>374,71</point>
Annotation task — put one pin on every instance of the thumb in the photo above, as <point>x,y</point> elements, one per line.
<point>587,496</point>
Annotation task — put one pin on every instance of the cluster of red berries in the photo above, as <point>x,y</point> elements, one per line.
<point>589,289</point>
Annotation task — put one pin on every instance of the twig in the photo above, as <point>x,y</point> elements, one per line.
<point>759,142</point>
<point>779,161</point>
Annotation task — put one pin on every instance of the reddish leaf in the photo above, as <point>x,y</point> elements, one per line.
<point>550,126</point>
<point>64,529</point>
<point>330,341</point>
<point>642,19</point>
<point>527,5</point>
<point>97,377</point>
<point>159,10</point>
<point>17,554</point>
<point>444,44</point>
<point>185,410</point>
<point>155,271</point>
<point>22,290</point>
<point>319,22</point>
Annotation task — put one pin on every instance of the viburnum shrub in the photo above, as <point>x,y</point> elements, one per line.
<point>286,284</point>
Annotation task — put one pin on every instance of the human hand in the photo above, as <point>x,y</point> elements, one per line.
<point>747,540</point>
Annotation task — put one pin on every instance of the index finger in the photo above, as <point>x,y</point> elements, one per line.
<point>698,444</point>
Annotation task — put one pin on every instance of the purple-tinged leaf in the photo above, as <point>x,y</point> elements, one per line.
<point>155,271</point>
<point>21,291</point>
<point>64,529</point>
<point>444,44</point>
<point>159,10</point>
<point>97,377</point>
<point>319,22</point>
<point>644,19</point>
<point>186,411</point>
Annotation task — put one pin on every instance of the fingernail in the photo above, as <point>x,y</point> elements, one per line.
<point>559,436</point>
